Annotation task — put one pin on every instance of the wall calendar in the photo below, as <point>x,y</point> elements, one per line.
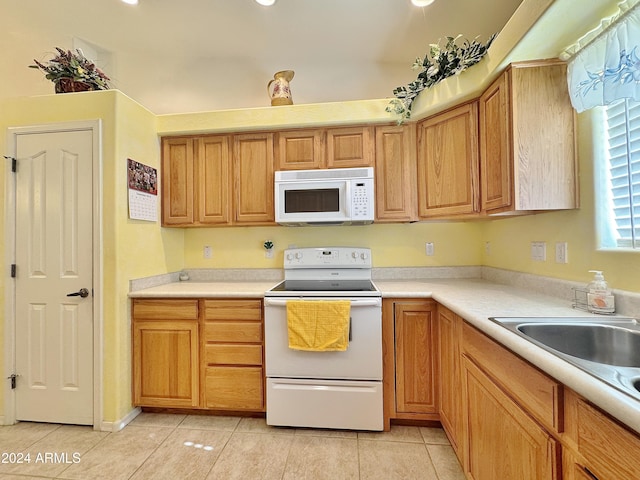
<point>143,191</point>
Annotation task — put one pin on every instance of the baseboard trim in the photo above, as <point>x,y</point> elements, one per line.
<point>120,424</point>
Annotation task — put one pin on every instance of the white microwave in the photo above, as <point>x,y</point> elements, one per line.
<point>339,196</point>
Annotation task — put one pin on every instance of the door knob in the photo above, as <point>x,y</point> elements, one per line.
<point>83,292</point>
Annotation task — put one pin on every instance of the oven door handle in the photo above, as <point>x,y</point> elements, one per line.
<point>374,302</point>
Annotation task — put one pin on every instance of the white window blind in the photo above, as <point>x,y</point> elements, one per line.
<point>623,151</point>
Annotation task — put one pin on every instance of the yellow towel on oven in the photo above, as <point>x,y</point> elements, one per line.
<point>318,325</point>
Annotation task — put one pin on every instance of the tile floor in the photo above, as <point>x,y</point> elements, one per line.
<point>157,446</point>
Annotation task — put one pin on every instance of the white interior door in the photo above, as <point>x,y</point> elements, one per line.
<point>54,258</point>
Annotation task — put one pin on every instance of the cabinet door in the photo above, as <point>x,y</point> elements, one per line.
<point>165,353</point>
<point>415,337</point>
<point>449,334</point>
<point>299,149</point>
<point>165,363</point>
<point>501,440</point>
<point>544,150</point>
<point>609,450</point>
<point>213,180</point>
<point>253,178</point>
<point>395,173</point>
<point>496,157</point>
<point>177,181</point>
<point>350,147</point>
<point>448,177</point>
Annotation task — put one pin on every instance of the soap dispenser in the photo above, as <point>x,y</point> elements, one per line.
<point>599,298</point>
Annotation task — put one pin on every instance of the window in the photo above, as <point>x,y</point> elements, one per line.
<point>622,151</point>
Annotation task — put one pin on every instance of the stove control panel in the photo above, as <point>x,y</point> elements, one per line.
<point>327,257</point>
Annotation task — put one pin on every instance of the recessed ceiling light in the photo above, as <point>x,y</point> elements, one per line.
<point>131,2</point>
<point>266,3</point>
<point>422,3</point>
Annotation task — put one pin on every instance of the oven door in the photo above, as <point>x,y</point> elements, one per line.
<point>312,202</point>
<point>361,361</point>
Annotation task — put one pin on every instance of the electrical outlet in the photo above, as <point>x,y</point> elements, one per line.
<point>487,248</point>
<point>428,247</point>
<point>207,252</point>
<point>562,253</point>
<point>539,251</point>
<point>268,253</point>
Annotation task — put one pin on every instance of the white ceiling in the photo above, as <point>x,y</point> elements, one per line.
<point>194,55</point>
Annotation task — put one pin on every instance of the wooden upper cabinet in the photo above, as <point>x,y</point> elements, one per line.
<point>253,179</point>
<point>395,168</point>
<point>196,181</point>
<point>495,141</point>
<point>527,140</point>
<point>448,161</point>
<point>300,149</point>
<point>177,181</point>
<point>350,147</point>
<point>213,180</point>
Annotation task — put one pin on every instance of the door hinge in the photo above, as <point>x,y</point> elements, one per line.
<point>14,268</point>
<point>14,163</point>
<point>13,378</point>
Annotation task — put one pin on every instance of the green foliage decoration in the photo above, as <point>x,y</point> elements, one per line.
<point>438,64</point>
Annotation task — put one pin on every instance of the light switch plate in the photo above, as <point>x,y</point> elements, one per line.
<point>562,253</point>
<point>539,251</point>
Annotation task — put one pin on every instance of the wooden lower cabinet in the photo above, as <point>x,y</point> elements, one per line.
<point>232,342</point>
<point>502,440</point>
<point>519,423</point>
<point>234,388</point>
<point>165,353</point>
<point>198,353</point>
<point>597,447</point>
<point>410,360</point>
<point>450,374</point>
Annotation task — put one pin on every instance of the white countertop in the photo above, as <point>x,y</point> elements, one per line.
<point>190,289</point>
<point>475,300</point>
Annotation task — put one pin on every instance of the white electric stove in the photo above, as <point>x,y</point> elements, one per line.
<point>340,390</point>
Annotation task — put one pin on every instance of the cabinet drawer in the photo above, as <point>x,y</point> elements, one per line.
<point>167,309</point>
<point>611,452</point>
<point>234,388</point>
<point>539,394</point>
<point>233,354</point>
<point>240,332</point>
<point>236,310</point>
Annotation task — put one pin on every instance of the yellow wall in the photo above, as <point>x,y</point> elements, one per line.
<point>511,238</point>
<point>397,245</point>
<point>131,249</point>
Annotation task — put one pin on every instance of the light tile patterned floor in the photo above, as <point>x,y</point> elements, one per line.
<point>165,446</point>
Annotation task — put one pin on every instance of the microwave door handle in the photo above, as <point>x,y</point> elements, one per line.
<point>348,199</point>
<point>350,329</point>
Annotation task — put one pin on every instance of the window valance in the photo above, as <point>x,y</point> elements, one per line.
<point>604,65</point>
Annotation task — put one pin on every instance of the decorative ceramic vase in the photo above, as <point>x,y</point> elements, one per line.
<point>281,92</point>
<point>66,85</point>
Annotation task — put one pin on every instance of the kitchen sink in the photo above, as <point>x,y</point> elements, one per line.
<point>608,344</point>
<point>608,348</point>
